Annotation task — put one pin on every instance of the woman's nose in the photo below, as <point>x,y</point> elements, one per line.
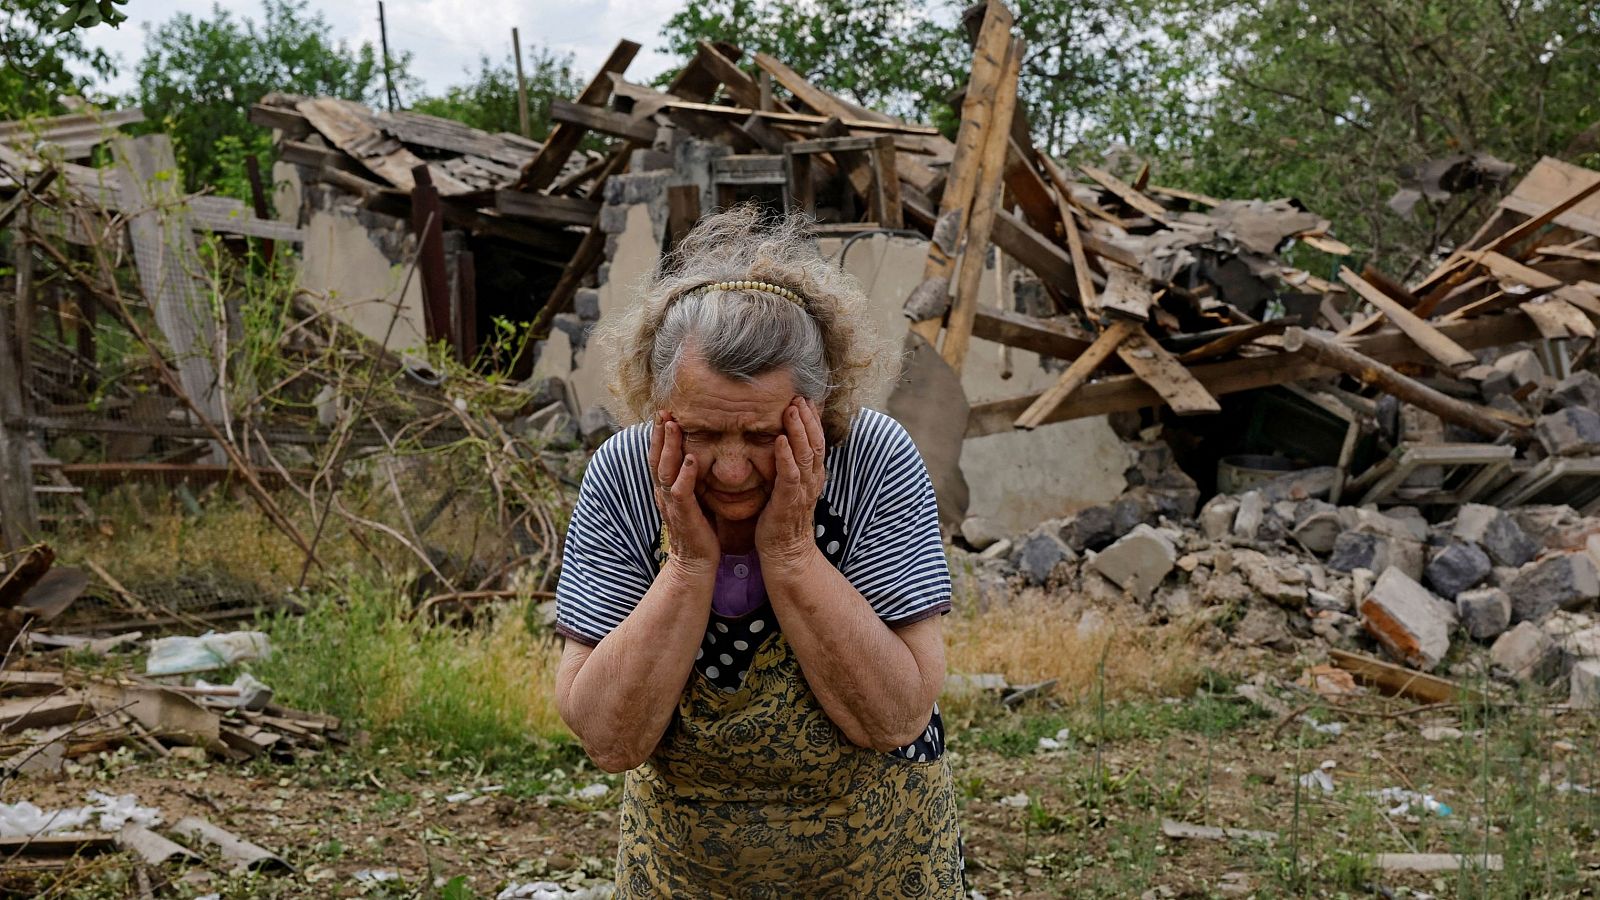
<point>731,467</point>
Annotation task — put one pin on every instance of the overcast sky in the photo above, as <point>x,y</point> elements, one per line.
<point>445,37</point>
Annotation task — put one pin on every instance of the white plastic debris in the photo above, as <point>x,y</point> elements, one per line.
<point>459,797</point>
<point>1319,777</point>
<point>1567,787</point>
<point>253,694</point>
<point>110,813</point>
<point>1016,801</point>
<point>177,655</point>
<point>549,890</point>
<point>375,876</point>
<point>591,792</point>
<point>1047,743</point>
<point>1404,798</point>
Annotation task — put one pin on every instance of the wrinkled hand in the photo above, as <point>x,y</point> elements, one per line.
<point>785,533</point>
<point>691,540</point>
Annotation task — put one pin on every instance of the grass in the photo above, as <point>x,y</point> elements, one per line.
<point>484,692</point>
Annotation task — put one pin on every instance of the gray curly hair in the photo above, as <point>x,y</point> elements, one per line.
<point>826,341</point>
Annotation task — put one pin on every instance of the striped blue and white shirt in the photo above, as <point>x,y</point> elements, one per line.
<point>877,487</point>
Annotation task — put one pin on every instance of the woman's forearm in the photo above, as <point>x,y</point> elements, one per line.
<point>618,697</point>
<point>876,683</point>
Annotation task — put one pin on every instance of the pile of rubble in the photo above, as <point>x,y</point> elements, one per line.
<point>1276,567</point>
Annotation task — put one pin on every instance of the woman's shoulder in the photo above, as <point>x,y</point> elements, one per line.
<point>877,437</point>
<point>623,456</point>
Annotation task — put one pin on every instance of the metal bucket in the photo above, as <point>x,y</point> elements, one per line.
<point>1246,471</point>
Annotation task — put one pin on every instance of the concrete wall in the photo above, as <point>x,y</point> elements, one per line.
<point>353,262</point>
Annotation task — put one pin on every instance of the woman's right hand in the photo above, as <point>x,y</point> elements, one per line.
<point>691,540</point>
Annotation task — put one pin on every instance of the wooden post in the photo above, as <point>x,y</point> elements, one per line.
<point>683,210</point>
<point>427,225</point>
<point>19,512</point>
<point>986,199</point>
<point>466,306</point>
<point>391,96</point>
<point>258,199</point>
<point>1367,370</point>
<point>522,87</point>
<point>764,85</point>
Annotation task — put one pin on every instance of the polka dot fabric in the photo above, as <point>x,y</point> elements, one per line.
<point>730,644</point>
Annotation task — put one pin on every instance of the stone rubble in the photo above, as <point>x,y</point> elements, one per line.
<point>1275,568</point>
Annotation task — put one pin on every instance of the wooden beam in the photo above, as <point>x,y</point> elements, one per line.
<point>683,210</point>
<point>564,137</point>
<point>1393,679</point>
<point>735,81</point>
<point>1445,351</point>
<point>988,64</point>
<point>605,121</point>
<point>1166,376</point>
<point>1365,369</point>
<point>884,204</point>
<point>1126,193</point>
<point>427,224</point>
<point>986,200</point>
<point>1120,393</point>
<point>1032,249</point>
<point>584,260</point>
<point>1069,226</point>
<point>1040,410</point>
<point>545,209</point>
<point>1046,337</point>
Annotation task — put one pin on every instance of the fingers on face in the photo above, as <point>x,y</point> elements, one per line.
<point>788,466</point>
<point>813,423</point>
<point>670,463</point>
<point>658,436</point>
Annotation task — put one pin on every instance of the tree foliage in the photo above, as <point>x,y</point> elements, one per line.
<point>38,63</point>
<point>199,77</point>
<point>1329,100</point>
<point>898,56</point>
<point>489,100</point>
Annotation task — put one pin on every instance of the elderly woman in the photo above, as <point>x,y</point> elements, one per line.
<point>751,591</point>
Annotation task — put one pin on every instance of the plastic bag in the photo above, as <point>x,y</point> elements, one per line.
<point>176,655</point>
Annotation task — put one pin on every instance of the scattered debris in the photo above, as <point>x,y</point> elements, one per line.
<point>1437,862</point>
<point>181,655</point>
<point>1185,831</point>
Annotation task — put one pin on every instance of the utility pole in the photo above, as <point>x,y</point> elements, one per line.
<point>522,86</point>
<point>388,81</point>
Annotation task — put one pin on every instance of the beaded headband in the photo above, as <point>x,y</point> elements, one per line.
<point>762,286</point>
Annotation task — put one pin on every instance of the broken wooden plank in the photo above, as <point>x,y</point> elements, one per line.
<point>1118,393</point>
<point>564,137</point>
<point>1399,680</point>
<point>545,209</point>
<point>1032,249</point>
<point>1127,293</point>
<point>1046,337</point>
<point>980,220</point>
<point>584,260</point>
<point>1557,319</point>
<point>1159,369</point>
<point>1447,352</point>
<point>1126,193</point>
<point>41,712</point>
<point>350,127</point>
<point>1077,373</point>
<point>1231,341</point>
<point>605,121</point>
<point>1502,266</point>
<point>1075,249</point>
<point>1482,419</point>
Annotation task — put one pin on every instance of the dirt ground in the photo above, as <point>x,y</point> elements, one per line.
<point>1078,814</point>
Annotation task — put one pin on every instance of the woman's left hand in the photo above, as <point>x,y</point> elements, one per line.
<point>785,531</point>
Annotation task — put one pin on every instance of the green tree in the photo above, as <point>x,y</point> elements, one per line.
<point>489,100</point>
<point>1328,100</point>
<point>199,77</point>
<point>39,63</point>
